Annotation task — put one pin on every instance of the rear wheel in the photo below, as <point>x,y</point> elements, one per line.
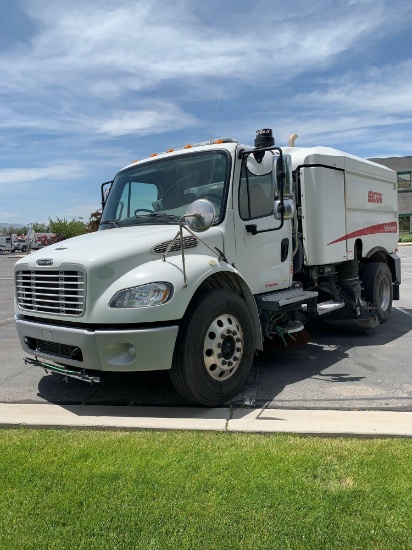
<point>378,290</point>
<point>215,348</point>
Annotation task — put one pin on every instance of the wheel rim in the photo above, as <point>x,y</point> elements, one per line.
<point>223,347</point>
<point>384,293</point>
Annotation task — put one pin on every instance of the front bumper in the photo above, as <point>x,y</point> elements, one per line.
<point>101,350</point>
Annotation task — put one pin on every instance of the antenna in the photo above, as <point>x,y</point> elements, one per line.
<point>214,118</point>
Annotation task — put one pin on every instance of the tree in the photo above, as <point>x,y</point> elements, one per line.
<point>94,221</point>
<point>36,226</point>
<point>10,230</point>
<point>40,227</point>
<point>67,229</point>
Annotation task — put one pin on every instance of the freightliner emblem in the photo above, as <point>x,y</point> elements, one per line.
<point>45,261</point>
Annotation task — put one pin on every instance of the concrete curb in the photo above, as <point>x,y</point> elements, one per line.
<point>309,422</point>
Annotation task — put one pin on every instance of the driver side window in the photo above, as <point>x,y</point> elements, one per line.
<point>256,199</point>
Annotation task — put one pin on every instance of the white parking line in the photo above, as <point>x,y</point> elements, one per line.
<point>9,319</point>
<point>6,278</point>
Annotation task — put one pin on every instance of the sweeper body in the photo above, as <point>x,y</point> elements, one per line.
<point>206,253</point>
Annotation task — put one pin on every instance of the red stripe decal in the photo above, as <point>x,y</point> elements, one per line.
<point>391,227</point>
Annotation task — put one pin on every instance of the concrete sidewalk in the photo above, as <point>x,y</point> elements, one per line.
<point>310,422</point>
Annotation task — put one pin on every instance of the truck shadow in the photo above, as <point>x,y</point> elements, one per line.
<point>339,368</point>
<point>332,361</point>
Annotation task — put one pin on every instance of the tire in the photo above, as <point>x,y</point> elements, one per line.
<point>215,348</point>
<point>378,290</point>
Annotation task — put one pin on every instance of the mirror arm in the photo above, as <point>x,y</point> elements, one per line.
<point>252,228</point>
<point>243,154</point>
<point>219,253</point>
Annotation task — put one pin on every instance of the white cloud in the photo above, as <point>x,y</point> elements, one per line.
<point>159,118</point>
<point>60,172</point>
<point>7,215</point>
<point>386,90</point>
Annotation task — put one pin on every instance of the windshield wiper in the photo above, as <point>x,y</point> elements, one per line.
<point>160,215</point>
<point>113,222</point>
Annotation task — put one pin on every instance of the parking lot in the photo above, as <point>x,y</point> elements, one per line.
<point>336,370</point>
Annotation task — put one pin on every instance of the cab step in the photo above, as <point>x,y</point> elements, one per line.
<point>283,298</point>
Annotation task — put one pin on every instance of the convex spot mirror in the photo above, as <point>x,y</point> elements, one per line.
<point>201,215</point>
<point>260,166</point>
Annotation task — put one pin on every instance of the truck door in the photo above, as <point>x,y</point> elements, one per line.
<point>263,259</point>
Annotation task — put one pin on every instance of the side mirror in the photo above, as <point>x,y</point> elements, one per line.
<point>200,215</point>
<point>105,190</point>
<point>289,209</point>
<point>283,178</point>
<point>282,175</point>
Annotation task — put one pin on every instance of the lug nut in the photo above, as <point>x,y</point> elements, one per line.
<point>238,340</point>
<point>229,331</point>
<point>234,333</point>
<point>238,349</point>
<point>235,358</point>
<point>219,355</point>
<point>230,364</point>
<point>224,362</point>
<point>219,345</point>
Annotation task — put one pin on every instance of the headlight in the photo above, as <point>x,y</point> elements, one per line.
<point>152,294</point>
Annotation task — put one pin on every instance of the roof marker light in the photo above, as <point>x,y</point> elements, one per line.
<point>153,155</point>
<point>187,146</point>
<point>170,151</point>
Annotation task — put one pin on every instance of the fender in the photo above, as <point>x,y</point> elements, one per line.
<point>199,267</point>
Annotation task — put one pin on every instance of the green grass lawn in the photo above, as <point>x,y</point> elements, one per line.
<point>91,489</point>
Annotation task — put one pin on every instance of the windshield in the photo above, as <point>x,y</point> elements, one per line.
<point>160,191</point>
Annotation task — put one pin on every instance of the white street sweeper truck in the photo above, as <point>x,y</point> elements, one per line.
<point>206,252</point>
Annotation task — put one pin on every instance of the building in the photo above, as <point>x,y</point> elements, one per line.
<point>403,167</point>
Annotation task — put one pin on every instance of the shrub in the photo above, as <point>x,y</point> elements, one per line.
<point>406,239</point>
<point>66,229</point>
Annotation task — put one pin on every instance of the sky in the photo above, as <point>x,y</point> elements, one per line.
<point>88,86</point>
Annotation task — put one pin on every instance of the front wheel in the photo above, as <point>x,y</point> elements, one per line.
<point>215,348</point>
<point>377,284</point>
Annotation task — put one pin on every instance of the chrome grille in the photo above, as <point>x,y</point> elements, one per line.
<point>56,292</point>
<point>188,242</point>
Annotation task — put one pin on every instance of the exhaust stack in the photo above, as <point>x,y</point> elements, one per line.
<point>292,139</point>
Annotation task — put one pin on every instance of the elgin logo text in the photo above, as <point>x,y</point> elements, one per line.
<point>374,196</point>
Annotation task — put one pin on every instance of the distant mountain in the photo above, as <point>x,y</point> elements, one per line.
<point>17,225</point>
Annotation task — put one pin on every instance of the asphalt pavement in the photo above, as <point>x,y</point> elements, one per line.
<point>339,383</point>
